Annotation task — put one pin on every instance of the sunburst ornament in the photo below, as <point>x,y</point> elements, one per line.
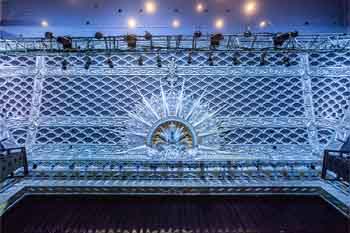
<point>173,126</point>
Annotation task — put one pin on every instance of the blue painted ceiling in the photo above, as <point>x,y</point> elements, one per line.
<point>85,17</point>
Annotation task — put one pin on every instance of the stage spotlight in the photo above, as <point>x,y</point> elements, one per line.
<point>64,64</point>
<point>98,35</point>
<point>286,61</point>
<point>280,39</point>
<point>72,166</point>
<point>140,61</point>
<point>87,63</point>
<point>197,34</point>
<point>49,35</point>
<point>148,35</point>
<point>235,60</point>
<point>65,41</point>
<point>210,59</point>
<point>131,40</point>
<point>159,61</point>
<point>110,63</point>
<point>189,59</point>
<point>215,40</point>
<point>263,60</point>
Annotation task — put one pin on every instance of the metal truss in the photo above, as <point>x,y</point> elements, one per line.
<point>232,42</point>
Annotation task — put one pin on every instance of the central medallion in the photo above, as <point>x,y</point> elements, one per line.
<point>173,126</point>
<point>172,134</point>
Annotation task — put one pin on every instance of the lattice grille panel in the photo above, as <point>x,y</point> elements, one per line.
<point>331,96</point>
<point>330,59</point>
<point>110,95</point>
<point>11,60</point>
<point>94,95</point>
<point>265,136</point>
<point>325,136</point>
<point>182,58</point>
<point>251,96</point>
<point>16,95</point>
<point>81,135</point>
<point>19,134</point>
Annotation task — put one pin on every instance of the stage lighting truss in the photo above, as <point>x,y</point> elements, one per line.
<point>198,41</point>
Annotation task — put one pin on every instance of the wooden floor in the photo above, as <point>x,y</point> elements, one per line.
<point>155,214</point>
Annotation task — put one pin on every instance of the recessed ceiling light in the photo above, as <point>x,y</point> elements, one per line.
<point>200,7</point>
<point>176,23</point>
<point>44,23</point>
<point>150,7</point>
<point>132,23</point>
<point>219,23</point>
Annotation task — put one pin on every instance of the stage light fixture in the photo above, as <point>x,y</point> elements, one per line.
<point>131,41</point>
<point>65,41</point>
<point>64,64</point>
<point>49,35</point>
<point>280,39</point>
<point>263,60</point>
<point>197,34</point>
<point>98,35</point>
<point>110,63</point>
<point>189,58</point>
<point>215,40</point>
<point>210,59</point>
<point>140,61</point>
<point>286,61</point>
<point>159,61</point>
<point>148,35</point>
<point>235,60</point>
<point>87,63</point>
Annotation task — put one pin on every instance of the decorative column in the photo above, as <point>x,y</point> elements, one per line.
<point>309,107</point>
<point>40,72</point>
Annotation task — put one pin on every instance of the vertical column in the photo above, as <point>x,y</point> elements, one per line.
<point>36,102</point>
<point>309,107</point>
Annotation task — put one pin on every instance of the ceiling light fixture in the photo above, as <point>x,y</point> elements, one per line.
<point>150,7</point>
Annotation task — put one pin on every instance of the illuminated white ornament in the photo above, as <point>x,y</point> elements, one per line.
<point>173,126</point>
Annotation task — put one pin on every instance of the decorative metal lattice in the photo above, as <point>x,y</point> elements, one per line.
<point>182,58</point>
<point>268,109</point>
